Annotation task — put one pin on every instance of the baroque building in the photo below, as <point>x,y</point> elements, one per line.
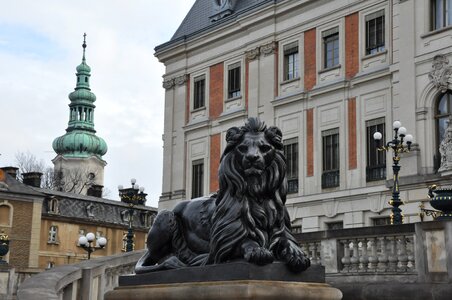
<point>329,74</point>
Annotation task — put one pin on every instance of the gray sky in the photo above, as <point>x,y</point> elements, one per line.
<point>40,46</point>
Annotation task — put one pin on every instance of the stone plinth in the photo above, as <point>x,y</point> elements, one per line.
<point>227,281</point>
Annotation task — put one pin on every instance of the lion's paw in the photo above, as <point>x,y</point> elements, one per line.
<point>295,258</point>
<point>259,256</point>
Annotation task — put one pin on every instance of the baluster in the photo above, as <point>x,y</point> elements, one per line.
<point>373,258</point>
<point>364,258</point>
<point>313,253</point>
<point>346,259</point>
<point>383,258</point>
<point>319,252</point>
<point>403,256</point>
<point>411,256</point>
<point>392,256</point>
<point>354,260</point>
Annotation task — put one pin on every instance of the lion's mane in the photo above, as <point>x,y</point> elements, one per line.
<point>253,210</point>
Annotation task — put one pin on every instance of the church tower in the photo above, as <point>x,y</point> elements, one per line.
<point>79,166</point>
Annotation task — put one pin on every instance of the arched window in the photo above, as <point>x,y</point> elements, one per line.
<point>5,215</point>
<point>53,235</point>
<point>442,115</point>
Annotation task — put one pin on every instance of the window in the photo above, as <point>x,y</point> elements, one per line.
<point>199,95</point>
<point>330,47</point>
<point>441,13</point>
<point>53,204</point>
<point>376,160</point>
<point>330,174</point>
<point>291,153</point>
<point>197,179</point>
<point>375,32</point>
<point>53,235</point>
<point>297,229</point>
<point>291,61</point>
<point>381,221</point>
<point>335,225</point>
<point>5,215</point>
<point>234,80</point>
<point>443,112</point>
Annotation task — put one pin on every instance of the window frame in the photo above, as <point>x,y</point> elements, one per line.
<point>291,50</point>
<point>375,159</point>
<point>53,236</point>
<point>292,164</point>
<point>331,158</point>
<point>199,103</point>
<point>378,47</point>
<point>446,14</point>
<point>331,35</point>
<point>197,180</point>
<point>10,216</point>
<point>234,87</point>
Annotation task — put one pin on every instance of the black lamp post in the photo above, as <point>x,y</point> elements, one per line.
<point>86,242</point>
<point>132,196</point>
<point>398,147</point>
<point>4,247</point>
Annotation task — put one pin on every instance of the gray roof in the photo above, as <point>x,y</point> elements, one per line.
<point>198,18</point>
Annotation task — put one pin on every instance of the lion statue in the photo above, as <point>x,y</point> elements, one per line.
<point>246,219</point>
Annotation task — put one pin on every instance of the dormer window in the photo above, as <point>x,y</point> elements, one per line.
<point>53,206</point>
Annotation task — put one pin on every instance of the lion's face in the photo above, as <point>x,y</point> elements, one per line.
<point>254,154</point>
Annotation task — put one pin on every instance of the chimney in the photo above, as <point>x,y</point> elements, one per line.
<point>95,190</point>
<point>32,179</point>
<point>12,171</point>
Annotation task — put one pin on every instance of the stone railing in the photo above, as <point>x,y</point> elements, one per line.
<point>367,250</point>
<point>88,280</point>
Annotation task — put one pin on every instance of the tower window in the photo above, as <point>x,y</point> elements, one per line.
<point>86,79</point>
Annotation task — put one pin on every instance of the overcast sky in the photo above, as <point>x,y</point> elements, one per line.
<point>40,47</point>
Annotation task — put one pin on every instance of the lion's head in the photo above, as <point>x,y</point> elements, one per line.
<point>253,186</point>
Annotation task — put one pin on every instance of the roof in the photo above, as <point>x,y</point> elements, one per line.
<point>199,19</point>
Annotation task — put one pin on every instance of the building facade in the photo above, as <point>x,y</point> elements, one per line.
<point>329,74</point>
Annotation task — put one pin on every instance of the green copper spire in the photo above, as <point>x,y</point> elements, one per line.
<point>80,139</point>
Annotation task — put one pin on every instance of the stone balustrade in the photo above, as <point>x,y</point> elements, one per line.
<point>88,280</point>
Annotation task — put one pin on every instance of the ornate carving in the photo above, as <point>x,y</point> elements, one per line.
<point>222,8</point>
<point>268,49</point>
<point>441,75</point>
<point>168,84</point>
<point>445,149</point>
<point>252,54</point>
<point>181,79</point>
<point>246,219</point>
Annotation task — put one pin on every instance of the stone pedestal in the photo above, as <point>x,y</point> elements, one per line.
<point>235,281</point>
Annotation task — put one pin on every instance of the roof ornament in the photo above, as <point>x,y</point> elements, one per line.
<point>222,8</point>
<point>84,46</point>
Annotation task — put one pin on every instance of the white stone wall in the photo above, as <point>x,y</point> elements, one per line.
<point>393,84</point>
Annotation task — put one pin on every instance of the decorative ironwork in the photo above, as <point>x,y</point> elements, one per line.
<point>330,179</point>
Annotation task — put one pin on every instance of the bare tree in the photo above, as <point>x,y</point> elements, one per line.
<point>74,180</point>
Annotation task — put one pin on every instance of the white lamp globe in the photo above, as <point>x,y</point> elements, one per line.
<point>102,241</point>
<point>136,186</point>
<point>90,237</point>
<point>82,240</point>
<point>141,189</point>
<point>409,138</point>
<point>402,131</point>
<point>120,187</point>
<point>377,136</point>
<point>396,124</point>
<point>133,181</point>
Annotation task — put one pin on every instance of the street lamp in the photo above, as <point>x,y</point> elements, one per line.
<point>4,247</point>
<point>86,242</point>
<point>132,196</point>
<point>398,147</point>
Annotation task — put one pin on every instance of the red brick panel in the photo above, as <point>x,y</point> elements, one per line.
<point>352,159</point>
<point>215,144</point>
<point>216,90</point>
<point>310,69</point>
<point>310,142</point>
<point>187,101</point>
<point>351,45</point>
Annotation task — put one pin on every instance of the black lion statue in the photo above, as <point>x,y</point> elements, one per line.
<point>246,219</point>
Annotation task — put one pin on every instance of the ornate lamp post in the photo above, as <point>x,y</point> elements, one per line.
<point>398,147</point>
<point>132,196</point>
<point>4,247</point>
<point>86,242</point>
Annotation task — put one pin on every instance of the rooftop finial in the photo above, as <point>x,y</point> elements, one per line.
<point>84,45</point>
